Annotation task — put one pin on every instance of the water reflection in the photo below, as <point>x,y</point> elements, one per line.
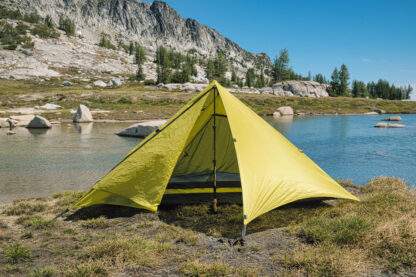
<point>84,128</point>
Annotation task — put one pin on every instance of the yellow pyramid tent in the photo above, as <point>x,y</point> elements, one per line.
<point>215,133</point>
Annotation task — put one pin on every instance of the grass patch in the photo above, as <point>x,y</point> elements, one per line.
<point>95,223</point>
<point>43,272</point>
<point>120,251</point>
<point>35,222</point>
<point>16,253</point>
<point>25,207</point>
<point>339,230</point>
<point>67,199</point>
<point>198,268</point>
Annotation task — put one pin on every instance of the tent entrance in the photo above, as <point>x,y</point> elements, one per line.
<point>207,168</point>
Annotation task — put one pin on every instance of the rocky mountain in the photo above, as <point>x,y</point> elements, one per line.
<point>151,25</point>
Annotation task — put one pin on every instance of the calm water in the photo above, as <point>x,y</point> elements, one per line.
<point>70,157</point>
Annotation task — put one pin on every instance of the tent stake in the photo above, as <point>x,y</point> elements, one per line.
<point>243,232</point>
<point>214,162</point>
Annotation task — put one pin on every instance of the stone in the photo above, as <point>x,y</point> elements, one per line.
<point>50,106</point>
<point>4,123</point>
<point>142,129</point>
<point>285,111</point>
<point>116,82</point>
<point>100,84</point>
<point>83,115</point>
<point>393,118</point>
<point>277,114</point>
<point>379,111</point>
<point>39,122</point>
<point>300,88</point>
<point>389,125</point>
<point>371,113</point>
<point>22,120</point>
<point>66,83</point>
<point>10,132</point>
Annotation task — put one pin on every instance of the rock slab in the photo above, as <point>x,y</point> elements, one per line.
<point>83,115</point>
<point>39,122</point>
<point>283,111</point>
<point>142,129</point>
<point>388,125</point>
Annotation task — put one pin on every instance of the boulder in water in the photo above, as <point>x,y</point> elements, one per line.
<point>39,122</point>
<point>83,115</point>
<point>393,118</point>
<point>142,129</point>
<point>388,125</point>
<point>284,111</point>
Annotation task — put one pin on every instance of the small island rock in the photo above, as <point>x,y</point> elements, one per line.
<point>142,129</point>
<point>39,122</point>
<point>284,111</point>
<point>388,125</point>
<point>83,115</point>
<point>393,118</point>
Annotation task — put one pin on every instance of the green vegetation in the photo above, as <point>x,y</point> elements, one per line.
<point>173,66</point>
<point>105,42</point>
<point>11,37</point>
<point>340,82</point>
<point>139,59</point>
<point>67,25</point>
<point>16,252</point>
<point>216,68</point>
<point>43,30</point>
<point>333,238</point>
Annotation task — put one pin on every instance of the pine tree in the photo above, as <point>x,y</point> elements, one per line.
<point>359,89</point>
<point>49,22</point>
<point>335,83</point>
<point>280,69</point>
<point>250,78</point>
<point>344,77</point>
<point>139,54</point>
<point>320,78</point>
<point>216,68</point>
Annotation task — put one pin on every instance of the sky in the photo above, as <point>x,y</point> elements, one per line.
<point>374,38</point>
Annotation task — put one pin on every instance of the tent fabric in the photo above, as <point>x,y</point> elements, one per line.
<point>272,171</point>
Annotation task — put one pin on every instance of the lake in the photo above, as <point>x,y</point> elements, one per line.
<point>72,157</point>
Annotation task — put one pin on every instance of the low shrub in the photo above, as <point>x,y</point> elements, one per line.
<point>43,31</point>
<point>105,42</point>
<point>67,25</point>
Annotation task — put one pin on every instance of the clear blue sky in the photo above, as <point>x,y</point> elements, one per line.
<point>374,38</point>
